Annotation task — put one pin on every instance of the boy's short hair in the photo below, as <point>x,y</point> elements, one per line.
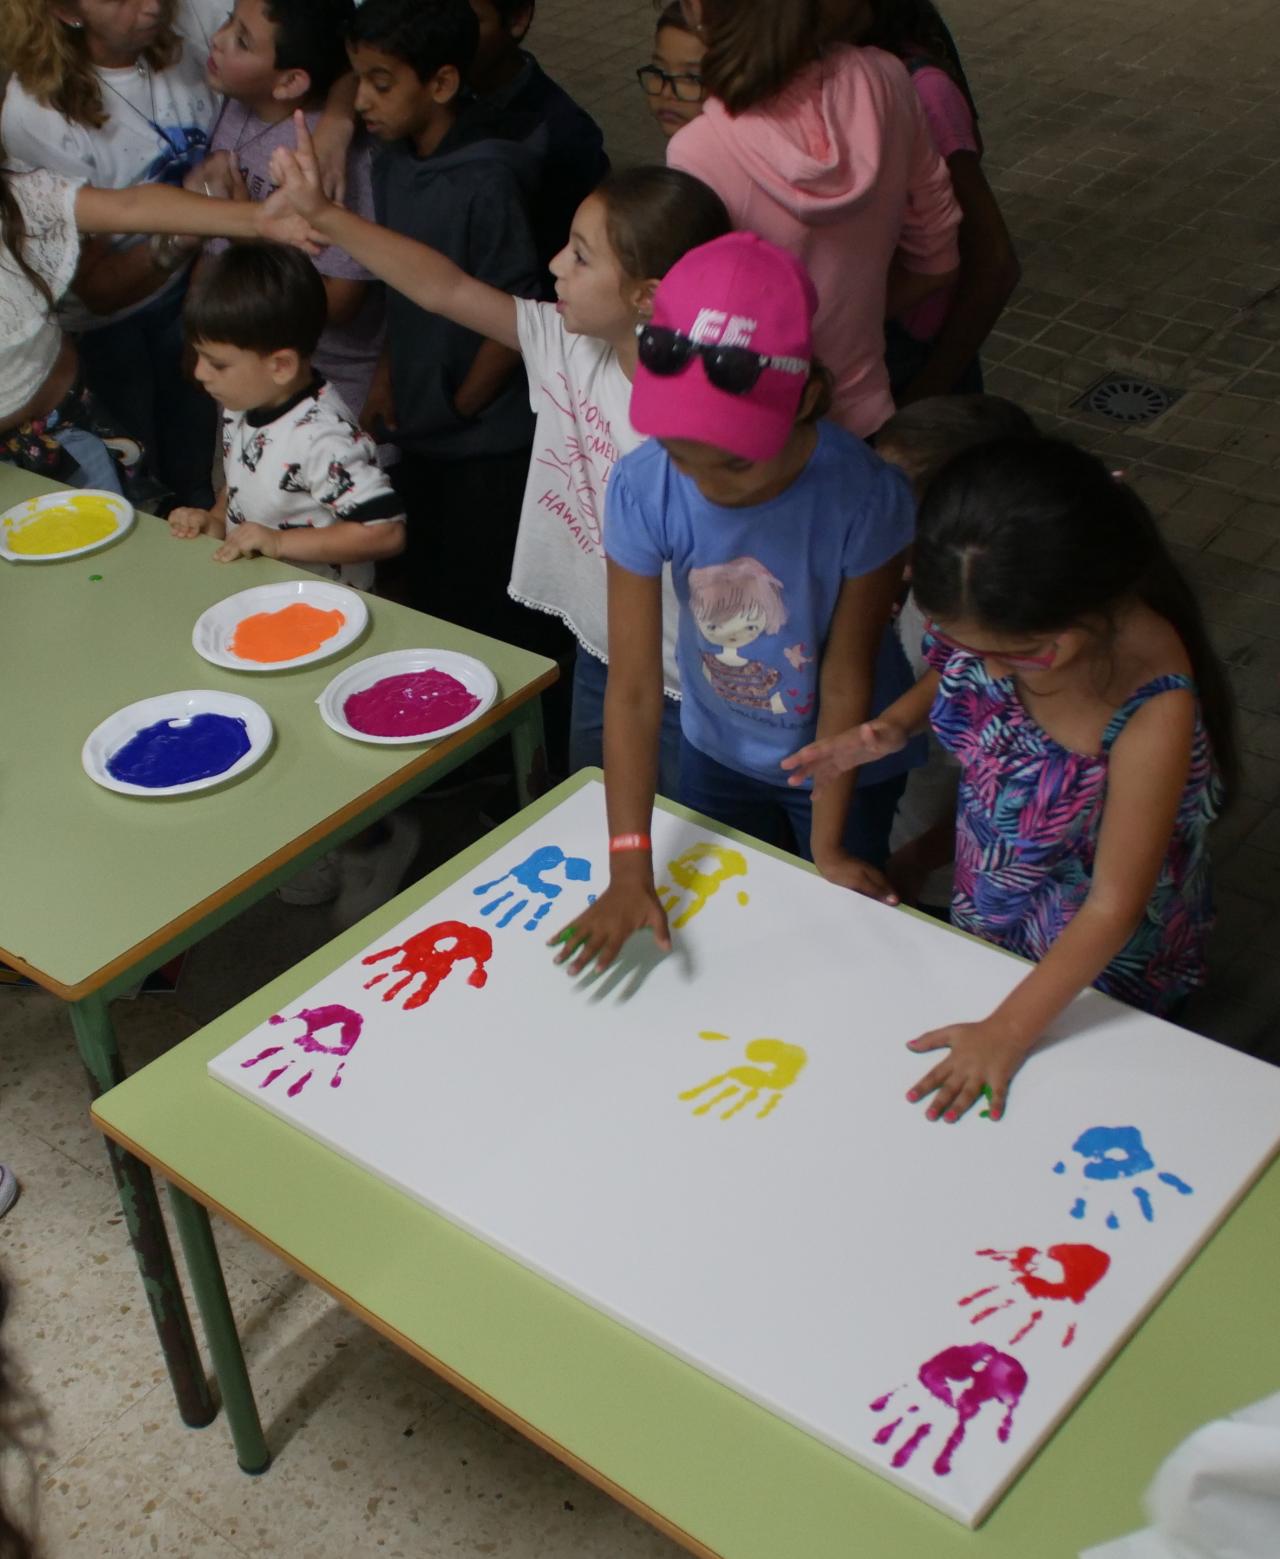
<point>426,34</point>
<point>309,37</point>
<point>508,10</point>
<point>261,297</point>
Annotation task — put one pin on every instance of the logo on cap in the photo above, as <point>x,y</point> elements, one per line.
<point>713,327</point>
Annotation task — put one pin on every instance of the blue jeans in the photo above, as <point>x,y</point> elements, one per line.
<point>769,812</point>
<point>134,368</point>
<point>95,464</point>
<point>586,725</point>
<point>904,357</point>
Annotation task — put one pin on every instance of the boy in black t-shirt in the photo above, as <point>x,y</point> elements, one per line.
<point>504,75</point>
<point>457,177</point>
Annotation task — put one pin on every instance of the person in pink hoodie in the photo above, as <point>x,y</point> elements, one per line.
<point>822,148</point>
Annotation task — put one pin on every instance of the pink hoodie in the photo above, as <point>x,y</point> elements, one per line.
<point>839,168</point>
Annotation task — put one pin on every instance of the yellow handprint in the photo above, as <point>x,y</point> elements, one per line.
<point>744,1084</point>
<point>700,871</point>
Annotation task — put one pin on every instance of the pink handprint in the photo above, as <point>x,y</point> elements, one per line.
<point>985,1374</point>
<point>430,956</point>
<point>1083,1268</point>
<point>317,1020</point>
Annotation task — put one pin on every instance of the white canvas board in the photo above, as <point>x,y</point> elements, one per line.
<point>715,1148</point>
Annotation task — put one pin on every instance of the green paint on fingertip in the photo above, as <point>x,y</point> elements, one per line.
<point>569,934</point>
<point>990,1098</point>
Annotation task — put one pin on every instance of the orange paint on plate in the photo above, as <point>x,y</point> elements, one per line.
<point>296,630</point>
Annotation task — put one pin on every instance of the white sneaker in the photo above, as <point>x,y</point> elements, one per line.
<point>370,877</point>
<point>318,884</point>
<point>8,1189</point>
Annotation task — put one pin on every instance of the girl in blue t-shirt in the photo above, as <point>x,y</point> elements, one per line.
<point>786,538</point>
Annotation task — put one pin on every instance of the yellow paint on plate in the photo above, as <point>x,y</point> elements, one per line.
<point>78,522</point>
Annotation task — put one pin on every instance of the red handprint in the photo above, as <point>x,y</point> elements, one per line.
<point>430,956</point>
<point>990,1376</point>
<point>348,1024</point>
<point>1083,1268</point>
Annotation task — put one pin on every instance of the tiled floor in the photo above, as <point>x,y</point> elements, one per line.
<point>1136,150</point>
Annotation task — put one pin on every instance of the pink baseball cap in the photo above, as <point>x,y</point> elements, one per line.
<point>736,291</point>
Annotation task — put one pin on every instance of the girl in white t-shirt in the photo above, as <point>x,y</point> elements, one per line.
<point>45,423</point>
<point>580,354</point>
<point>113,93</point>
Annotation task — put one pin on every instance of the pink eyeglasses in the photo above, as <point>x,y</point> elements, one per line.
<point>1018,662</point>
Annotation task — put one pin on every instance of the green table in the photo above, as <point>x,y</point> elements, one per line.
<point>714,1471</point>
<point>97,888</point>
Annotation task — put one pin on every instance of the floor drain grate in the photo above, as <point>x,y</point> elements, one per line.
<point>1122,398</point>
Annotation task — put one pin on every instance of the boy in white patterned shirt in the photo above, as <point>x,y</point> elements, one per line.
<point>302,482</point>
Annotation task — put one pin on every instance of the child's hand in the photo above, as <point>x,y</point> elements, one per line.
<point>297,173</point>
<point>187,523</point>
<point>629,903</point>
<point>275,220</point>
<point>246,539</point>
<point>833,756</point>
<point>983,1055</point>
<point>846,871</point>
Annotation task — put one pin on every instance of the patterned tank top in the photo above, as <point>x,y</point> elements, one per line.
<point>1027,834</point>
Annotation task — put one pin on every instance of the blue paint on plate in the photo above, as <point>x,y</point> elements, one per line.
<point>180,751</point>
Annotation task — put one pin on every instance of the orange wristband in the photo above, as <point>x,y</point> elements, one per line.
<point>621,842</point>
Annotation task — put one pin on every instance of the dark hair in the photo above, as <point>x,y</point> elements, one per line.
<point>261,297</point>
<point>915,31</point>
<point>754,50</point>
<point>508,10</point>
<point>1031,536</point>
<point>673,16</point>
<point>18,1415</point>
<point>426,34</point>
<point>655,215</point>
<point>309,37</point>
<point>926,434</point>
<point>14,235</point>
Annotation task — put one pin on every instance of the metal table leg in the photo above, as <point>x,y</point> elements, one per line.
<point>205,1271</point>
<point>529,751</point>
<point>96,1041</point>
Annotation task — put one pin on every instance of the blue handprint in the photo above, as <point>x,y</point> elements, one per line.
<point>531,875</point>
<point>1119,1153</point>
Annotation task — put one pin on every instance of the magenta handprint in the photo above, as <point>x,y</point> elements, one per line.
<point>1119,1153</point>
<point>430,956</point>
<point>1082,1268</point>
<point>964,1379</point>
<point>532,875</point>
<point>316,1020</point>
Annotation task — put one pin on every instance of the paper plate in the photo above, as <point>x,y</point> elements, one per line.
<point>82,505</point>
<point>473,674</point>
<point>179,709</point>
<point>216,628</point>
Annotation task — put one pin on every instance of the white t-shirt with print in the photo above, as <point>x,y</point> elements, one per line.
<point>306,466</point>
<point>158,127</point>
<point>29,333</point>
<point>582,402</point>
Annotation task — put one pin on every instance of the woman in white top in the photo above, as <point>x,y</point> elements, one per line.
<point>41,218</point>
<point>114,92</point>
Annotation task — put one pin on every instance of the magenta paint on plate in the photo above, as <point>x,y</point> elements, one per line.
<point>415,703</point>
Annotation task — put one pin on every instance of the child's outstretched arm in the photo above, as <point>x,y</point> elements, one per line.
<point>632,724</point>
<point>845,686</point>
<point>423,275</point>
<point>1145,780</point>
<point>825,760</point>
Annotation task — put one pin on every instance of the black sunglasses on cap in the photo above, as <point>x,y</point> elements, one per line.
<point>733,369</point>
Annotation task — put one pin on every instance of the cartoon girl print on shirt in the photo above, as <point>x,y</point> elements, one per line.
<point>733,604</point>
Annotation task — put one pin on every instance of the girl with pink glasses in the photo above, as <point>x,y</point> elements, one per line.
<point>1073,680</point>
